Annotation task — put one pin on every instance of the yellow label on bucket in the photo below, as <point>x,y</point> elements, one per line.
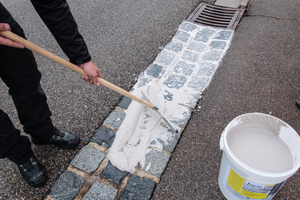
<point>253,195</point>
<point>247,188</point>
<point>235,181</point>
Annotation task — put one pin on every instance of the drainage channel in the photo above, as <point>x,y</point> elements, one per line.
<point>216,16</point>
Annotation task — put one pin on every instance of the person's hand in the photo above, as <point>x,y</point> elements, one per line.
<point>92,71</point>
<point>8,42</point>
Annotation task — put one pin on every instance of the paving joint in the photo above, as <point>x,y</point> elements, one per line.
<point>189,61</point>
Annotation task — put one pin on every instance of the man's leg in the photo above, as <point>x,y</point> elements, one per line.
<point>18,69</point>
<point>18,149</point>
<point>13,146</point>
<point>23,87</point>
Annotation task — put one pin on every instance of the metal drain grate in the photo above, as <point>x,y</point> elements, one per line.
<point>216,16</point>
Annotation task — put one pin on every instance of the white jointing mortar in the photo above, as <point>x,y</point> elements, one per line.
<point>260,149</point>
<point>141,126</point>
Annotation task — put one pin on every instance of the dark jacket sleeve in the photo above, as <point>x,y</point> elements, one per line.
<point>60,21</point>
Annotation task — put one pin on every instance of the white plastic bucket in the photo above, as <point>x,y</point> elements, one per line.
<point>239,181</point>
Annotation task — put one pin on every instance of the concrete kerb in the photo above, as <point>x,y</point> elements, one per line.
<point>189,59</point>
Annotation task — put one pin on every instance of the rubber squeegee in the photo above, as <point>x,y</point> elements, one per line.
<point>173,128</point>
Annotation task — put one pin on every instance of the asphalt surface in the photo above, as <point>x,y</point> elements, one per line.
<point>123,37</point>
<point>260,73</point>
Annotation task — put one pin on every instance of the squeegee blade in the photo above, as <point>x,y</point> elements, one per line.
<point>173,128</point>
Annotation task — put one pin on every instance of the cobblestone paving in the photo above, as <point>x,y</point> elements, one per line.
<point>189,59</point>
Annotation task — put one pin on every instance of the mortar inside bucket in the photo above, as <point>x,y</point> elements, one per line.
<point>259,153</point>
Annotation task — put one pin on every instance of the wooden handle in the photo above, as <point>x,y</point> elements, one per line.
<point>75,68</point>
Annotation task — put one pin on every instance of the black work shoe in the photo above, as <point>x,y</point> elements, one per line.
<point>61,139</point>
<point>298,102</point>
<point>33,172</point>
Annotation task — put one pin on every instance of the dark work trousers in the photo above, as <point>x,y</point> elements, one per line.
<point>18,70</point>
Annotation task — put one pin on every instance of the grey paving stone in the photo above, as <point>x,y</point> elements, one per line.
<point>115,119</point>
<point>213,55</point>
<point>196,46</point>
<point>155,70</point>
<point>182,36</point>
<point>113,174</point>
<point>100,191</point>
<point>165,57</point>
<point>223,35</point>
<point>88,159</point>
<point>189,55</point>
<point>169,144</point>
<point>186,26</point>
<point>174,46</point>
<point>182,122</point>
<point>199,83</point>
<point>206,68</point>
<point>204,34</point>
<point>184,68</point>
<point>175,81</point>
<point>137,188</point>
<point>168,95</point>
<point>67,186</point>
<point>124,103</point>
<point>104,137</point>
<point>156,162</point>
<point>218,44</point>
<point>143,80</point>
<point>192,100</point>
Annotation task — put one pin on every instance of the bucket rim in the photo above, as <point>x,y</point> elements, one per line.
<point>251,169</point>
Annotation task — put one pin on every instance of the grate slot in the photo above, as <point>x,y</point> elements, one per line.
<point>220,8</point>
<point>209,15</point>
<point>216,16</point>
<point>218,12</point>
<point>216,20</point>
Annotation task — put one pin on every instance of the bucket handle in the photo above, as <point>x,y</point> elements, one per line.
<point>222,141</point>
